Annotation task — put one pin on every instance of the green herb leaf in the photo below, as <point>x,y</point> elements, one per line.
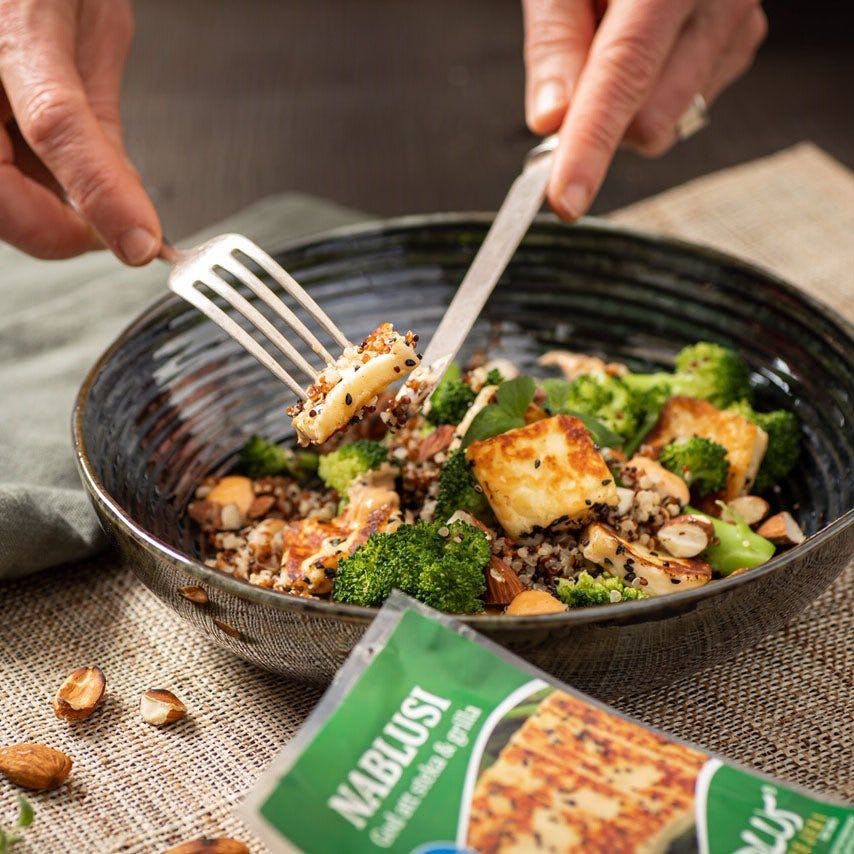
<point>601,435</point>
<point>25,812</point>
<point>557,392</point>
<point>515,396</point>
<point>489,422</point>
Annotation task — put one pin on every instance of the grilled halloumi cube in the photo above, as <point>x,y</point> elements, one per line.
<point>683,417</point>
<point>545,471</point>
<point>345,388</point>
<point>661,573</point>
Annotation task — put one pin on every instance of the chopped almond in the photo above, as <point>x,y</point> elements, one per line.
<point>752,508</point>
<point>529,603</point>
<point>661,481</point>
<point>686,536</point>
<point>782,530</point>
<point>80,694</point>
<point>233,489</point>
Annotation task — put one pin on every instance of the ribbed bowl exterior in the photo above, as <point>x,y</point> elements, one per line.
<point>173,399</point>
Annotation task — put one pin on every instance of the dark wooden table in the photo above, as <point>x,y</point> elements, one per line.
<point>397,106</point>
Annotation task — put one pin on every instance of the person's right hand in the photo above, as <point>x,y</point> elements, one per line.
<point>66,184</point>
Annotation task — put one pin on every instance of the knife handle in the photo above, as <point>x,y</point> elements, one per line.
<point>547,146</point>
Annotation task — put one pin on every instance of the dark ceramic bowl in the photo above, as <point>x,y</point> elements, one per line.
<point>173,400</point>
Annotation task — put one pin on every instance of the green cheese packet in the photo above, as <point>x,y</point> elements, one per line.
<point>432,739</point>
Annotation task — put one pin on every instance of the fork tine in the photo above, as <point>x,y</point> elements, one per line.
<point>248,278</point>
<point>234,298</point>
<point>260,257</point>
<point>187,290</point>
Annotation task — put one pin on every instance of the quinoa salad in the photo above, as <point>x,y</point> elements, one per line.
<point>508,493</point>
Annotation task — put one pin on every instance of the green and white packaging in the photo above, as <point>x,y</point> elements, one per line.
<point>433,739</point>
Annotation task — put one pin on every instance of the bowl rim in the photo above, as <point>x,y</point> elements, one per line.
<point>646,610</point>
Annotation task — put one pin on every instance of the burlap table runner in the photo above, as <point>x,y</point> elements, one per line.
<point>783,708</point>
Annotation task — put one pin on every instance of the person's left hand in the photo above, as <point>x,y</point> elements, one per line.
<point>604,72</point>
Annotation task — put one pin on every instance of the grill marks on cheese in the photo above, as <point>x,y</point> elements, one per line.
<point>343,390</point>
<point>546,471</point>
<point>574,778</point>
<point>745,443</point>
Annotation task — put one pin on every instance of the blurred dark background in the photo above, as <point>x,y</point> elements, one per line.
<point>399,106</point>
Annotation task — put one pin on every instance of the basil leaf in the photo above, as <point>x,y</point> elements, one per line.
<point>489,422</point>
<point>515,396</point>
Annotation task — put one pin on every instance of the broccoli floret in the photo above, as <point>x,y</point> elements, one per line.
<point>735,545</point>
<point>458,490</point>
<point>705,370</point>
<point>605,398</point>
<point>260,458</point>
<point>784,442</point>
<point>493,377</point>
<point>445,572</point>
<point>451,398</point>
<point>700,462</point>
<point>587,590</point>
<point>342,466</point>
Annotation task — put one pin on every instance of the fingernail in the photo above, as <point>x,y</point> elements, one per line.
<point>548,99</point>
<point>574,199</point>
<point>137,245</point>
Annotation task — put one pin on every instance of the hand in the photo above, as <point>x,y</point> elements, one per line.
<point>603,72</point>
<point>66,184</point>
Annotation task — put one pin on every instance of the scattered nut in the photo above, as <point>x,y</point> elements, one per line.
<point>234,489</point>
<point>531,602</point>
<point>34,766</point>
<point>782,530</point>
<point>261,506</point>
<point>438,440</point>
<point>80,694</point>
<point>751,508</point>
<point>686,536</point>
<point>662,481</point>
<point>210,846</point>
<point>502,583</point>
<point>229,630</point>
<point>159,707</point>
<point>196,595</point>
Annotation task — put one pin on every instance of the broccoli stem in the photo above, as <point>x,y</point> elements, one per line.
<point>736,546</point>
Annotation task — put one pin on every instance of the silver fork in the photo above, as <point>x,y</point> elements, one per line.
<point>201,267</point>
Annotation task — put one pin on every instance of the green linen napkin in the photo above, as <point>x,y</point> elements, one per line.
<point>57,318</point>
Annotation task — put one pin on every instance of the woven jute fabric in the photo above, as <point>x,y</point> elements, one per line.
<point>783,708</point>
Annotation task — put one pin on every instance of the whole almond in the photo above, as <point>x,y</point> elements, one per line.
<point>196,595</point>
<point>34,766</point>
<point>782,530</point>
<point>159,707</point>
<point>80,694</point>
<point>502,583</point>
<point>210,846</point>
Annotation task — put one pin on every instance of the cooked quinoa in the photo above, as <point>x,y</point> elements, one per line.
<point>593,511</point>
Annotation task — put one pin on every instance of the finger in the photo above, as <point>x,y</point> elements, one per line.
<point>33,218</point>
<point>101,61</point>
<point>58,123</point>
<point>687,72</point>
<point>628,52</point>
<point>740,54</point>
<point>558,34</point>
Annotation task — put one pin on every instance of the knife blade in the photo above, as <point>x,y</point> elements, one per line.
<point>520,206</point>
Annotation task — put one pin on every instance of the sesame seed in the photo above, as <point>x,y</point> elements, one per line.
<point>348,399</point>
<point>537,464</point>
